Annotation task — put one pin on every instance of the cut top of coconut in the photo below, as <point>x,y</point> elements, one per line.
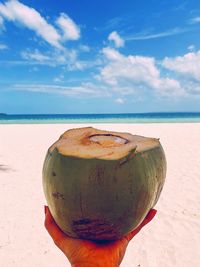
<point>88,142</point>
<point>108,140</point>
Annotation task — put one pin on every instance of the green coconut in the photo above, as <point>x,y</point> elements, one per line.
<point>100,185</point>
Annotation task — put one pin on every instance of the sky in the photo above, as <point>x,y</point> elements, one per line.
<point>86,56</point>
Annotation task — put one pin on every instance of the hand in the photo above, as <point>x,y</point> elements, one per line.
<point>87,253</point>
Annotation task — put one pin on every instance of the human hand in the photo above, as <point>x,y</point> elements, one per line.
<point>87,253</point>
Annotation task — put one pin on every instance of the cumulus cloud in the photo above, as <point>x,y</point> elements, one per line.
<point>17,12</point>
<point>70,30</point>
<point>136,72</point>
<point>187,65</point>
<point>115,37</point>
<point>112,54</point>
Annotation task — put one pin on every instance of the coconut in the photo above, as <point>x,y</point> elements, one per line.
<point>100,185</point>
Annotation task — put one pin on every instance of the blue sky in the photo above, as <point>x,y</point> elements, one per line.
<point>86,56</point>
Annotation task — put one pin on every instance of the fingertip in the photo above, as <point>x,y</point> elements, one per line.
<point>151,214</point>
<point>48,214</point>
<point>45,209</point>
<point>49,220</point>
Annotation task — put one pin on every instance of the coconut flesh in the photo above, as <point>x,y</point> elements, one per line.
<point>100,185</point>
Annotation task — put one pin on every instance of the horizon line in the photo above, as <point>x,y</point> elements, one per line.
<point>125,113</point>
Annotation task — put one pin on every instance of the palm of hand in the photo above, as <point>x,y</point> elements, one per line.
<point>80,252</point>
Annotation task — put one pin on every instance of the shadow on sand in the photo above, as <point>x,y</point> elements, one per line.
<point>5,168</point>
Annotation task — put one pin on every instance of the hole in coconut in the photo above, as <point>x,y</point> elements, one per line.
<point>107,140</point>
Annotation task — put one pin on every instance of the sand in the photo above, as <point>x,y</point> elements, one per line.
<point>171,239</point>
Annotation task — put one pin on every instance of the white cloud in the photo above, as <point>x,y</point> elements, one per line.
<point>83,90</point>
<point>115,37</point>
<point>70,30</point>
<point>191,48</point>
<point>115,22</point>
<point>148,36</point>
<point>84,48</point>
<point>137,72</point>
<point>112,54</point>
<point>133,68</point>
<point>192,87</point>
<point>36,56</point>
<point>195,20</point>
<point>15,11</point>
<point>187,65</point>
<point>119,100</point>
<point>3,47</point>
<point>19,13</point>
<point>66,57</point>
<point>59,78</point>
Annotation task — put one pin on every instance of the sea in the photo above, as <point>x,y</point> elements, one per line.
<point>159,117</point>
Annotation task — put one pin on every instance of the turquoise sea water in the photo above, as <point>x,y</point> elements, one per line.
<point>174,117</point>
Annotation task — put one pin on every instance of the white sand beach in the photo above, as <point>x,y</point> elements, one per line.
<point>172,239</point>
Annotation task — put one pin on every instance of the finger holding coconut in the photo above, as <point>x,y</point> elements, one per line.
<point>100,185</point>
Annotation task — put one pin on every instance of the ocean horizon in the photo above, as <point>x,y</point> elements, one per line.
<point>151,117</point>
